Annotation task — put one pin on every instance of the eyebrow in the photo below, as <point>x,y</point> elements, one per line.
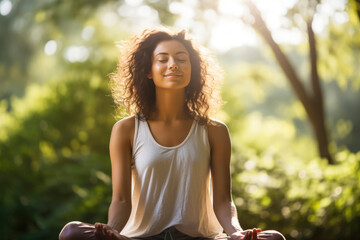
<point>165,53</point>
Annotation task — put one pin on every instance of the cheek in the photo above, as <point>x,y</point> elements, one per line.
<point>157,68</point>
<point>188,70</point>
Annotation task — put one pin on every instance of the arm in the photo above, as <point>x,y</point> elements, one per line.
<point>120,154</point>
<point>223,205</point>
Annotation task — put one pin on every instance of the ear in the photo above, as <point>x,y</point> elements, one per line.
<point>149,76</point>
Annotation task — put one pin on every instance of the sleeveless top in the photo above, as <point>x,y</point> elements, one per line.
<point>171,186</point>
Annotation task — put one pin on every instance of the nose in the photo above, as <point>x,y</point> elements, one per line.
<point>173,66</point>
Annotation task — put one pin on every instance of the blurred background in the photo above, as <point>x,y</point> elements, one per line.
<point>291,93</point>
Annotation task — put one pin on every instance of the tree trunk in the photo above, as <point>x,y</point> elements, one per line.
<point>317,99</point>
<point>312,102</point>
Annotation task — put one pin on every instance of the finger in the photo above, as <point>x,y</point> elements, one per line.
<point>254,234</point>
<point>98,232</point>
<point>111,235</point>
<point>258,230</point>
<point>104,231</point>
<point>248,235</point>
<point>96,225</point>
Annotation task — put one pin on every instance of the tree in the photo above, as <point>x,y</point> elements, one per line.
<point>311,101</point>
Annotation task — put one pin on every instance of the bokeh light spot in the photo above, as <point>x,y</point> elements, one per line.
<point>77,54</point>
<point>5,7</point>
<point>133,3</point>
<point>50,47</point>
<point>87,32</point>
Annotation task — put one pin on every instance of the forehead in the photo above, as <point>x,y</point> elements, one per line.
<point>169,47</point>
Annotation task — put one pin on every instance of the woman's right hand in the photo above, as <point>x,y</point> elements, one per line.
<point>250,234</point>
<point>105,232</point>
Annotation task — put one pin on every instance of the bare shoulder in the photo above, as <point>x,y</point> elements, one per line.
<point>215,125</point>
<point>125,123</point>
<point>124,128</point>
<point>217,130</point>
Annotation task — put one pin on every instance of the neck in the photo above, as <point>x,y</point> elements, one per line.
<point>170,104</point>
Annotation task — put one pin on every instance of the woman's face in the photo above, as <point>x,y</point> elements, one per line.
<point>171,67</point>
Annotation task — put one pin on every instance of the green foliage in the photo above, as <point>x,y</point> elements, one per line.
<point>54,163</point>
<point>278,182</point>
<point>302,197</point>
<point>54,157</point>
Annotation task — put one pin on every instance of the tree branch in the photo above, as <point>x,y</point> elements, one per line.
<point>315,82</point>
<point>298,87</point>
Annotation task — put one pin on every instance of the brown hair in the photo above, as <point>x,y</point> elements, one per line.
<point>131,87</point>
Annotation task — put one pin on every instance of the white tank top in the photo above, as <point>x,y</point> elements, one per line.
<point>171,185</point>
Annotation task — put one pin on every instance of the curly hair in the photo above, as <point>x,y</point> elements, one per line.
<point>132,88</point>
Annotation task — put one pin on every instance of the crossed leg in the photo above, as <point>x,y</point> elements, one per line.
<point>77,230</point>
<point>84,231</point>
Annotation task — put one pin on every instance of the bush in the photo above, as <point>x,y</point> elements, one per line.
<point>54,157</point>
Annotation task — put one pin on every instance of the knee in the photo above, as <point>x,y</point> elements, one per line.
<point>69,231</point>
<point>276,235</point>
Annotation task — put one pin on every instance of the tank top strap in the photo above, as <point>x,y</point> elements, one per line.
<point>135,139</point>
<point>201,133</point>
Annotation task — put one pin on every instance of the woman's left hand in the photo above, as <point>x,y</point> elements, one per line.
<point>105,232</point>
<point>250,234</point>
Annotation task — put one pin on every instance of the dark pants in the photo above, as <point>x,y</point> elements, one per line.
<point>85,231</point>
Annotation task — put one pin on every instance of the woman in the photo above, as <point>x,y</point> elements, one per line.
<point>165,155</point>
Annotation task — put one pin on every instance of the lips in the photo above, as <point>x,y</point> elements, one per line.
<point>173,75</point>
